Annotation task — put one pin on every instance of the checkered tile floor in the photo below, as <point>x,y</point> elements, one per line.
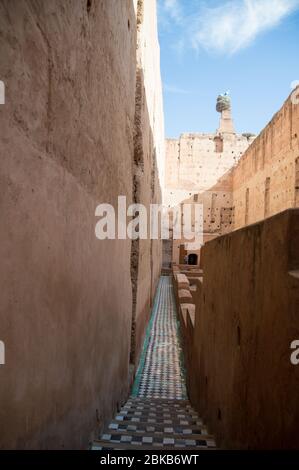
<point>158,415</point>
<point>163,374</point>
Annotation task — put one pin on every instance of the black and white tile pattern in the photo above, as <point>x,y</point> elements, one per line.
<point>163,375</point>
<point>158,415</point>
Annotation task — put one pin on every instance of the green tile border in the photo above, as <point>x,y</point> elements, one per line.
<point>135,388</point>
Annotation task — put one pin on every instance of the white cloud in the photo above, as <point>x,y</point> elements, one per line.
<point>170,12</point>
<point>174,89</point>
<point>173,9</point>
<point>235,24</point>
<point>179,46</point>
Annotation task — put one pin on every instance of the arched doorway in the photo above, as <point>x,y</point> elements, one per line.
<point>192,259</point>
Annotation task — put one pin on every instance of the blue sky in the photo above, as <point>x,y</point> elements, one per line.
<point>249,47</point>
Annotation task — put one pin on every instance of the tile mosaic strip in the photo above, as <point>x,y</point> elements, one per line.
<point>158,414</point>
<point>156,440</point>
<point>162,375</point>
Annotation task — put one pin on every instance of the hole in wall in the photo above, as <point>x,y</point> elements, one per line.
<point>129,25</point>
<point>88,5</point>
<point>219,416</point>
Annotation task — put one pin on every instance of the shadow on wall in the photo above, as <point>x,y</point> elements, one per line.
<point>218,218</point>
<point>145,254</point>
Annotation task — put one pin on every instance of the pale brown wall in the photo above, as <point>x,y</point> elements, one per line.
<point>272,155</point>
<point>193,165</point>
<point>67,144</point>
<point>167,253</point>
<point>195,171</point>
<point>146,257</point>
<point>242,380</point>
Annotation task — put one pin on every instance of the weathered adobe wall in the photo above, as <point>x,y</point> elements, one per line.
<point>198,169</point>
<point>241,379</point>
<point>262,182</point>
<point>167,253</point>
<point>218,217</point>
<point>272,155</point>
<point>148,168</point>
<point>67,144</point>
<point>195,162</point>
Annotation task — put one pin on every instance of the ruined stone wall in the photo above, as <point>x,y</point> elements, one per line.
<point>218,216</point>
<point>241,379</point>
<point>167,253</point>
<point>198,169</point>
<point>240,180</point>
<point>68,143</point>
<point>148,167</point>
<point>195,162</point>
<point>265,181</point>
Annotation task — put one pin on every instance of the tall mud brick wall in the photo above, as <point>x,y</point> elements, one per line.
<point>241,378</point>
<point>266,179</point>
<point>148,168</point>
<point>69,132</point>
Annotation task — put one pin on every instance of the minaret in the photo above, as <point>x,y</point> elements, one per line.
<point>223,106</point>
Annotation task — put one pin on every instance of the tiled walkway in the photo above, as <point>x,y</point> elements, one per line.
<point>161,373</point>
<point>158,414</point>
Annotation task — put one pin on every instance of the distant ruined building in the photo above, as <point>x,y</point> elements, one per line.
<point>198,169</point>
<point>239,179</point>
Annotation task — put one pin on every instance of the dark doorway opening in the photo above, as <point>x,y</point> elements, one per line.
<point>192,259</point>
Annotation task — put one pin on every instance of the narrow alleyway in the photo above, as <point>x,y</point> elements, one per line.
<point>158,413</point>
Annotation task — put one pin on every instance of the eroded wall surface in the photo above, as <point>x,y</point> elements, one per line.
<point>148,167</point>
<point>195,162</point>
<point>68,141</point>
<point>241,378</point>
<point>198,171</point>
<point>217,217</point>
<point>266,180</point>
